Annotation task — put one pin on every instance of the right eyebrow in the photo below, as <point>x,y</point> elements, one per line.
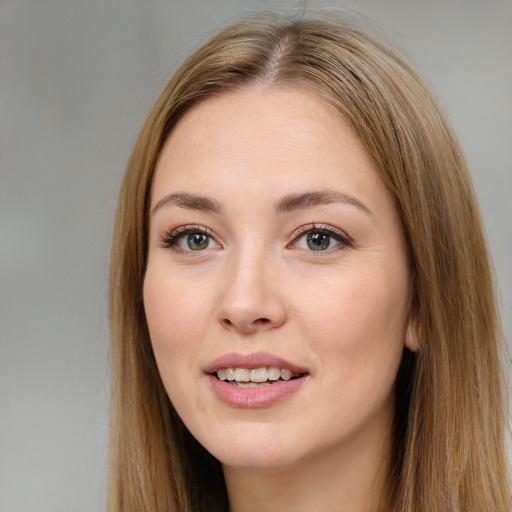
<point>190,202</point>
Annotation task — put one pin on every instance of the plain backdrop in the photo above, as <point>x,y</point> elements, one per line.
<point>76,81</point>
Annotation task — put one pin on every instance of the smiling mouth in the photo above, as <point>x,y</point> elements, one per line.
<point>255,377</point>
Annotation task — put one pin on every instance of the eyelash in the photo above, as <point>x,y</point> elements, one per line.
<point>343,239</point>
<point>170,239</point>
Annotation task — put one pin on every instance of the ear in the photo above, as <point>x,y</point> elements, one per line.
<point>412,334</point>
<point>412,339</point>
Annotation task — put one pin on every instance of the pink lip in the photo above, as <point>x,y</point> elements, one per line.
<point>261,396</point>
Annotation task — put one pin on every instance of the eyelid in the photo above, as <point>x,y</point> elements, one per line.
<point>339,235</point>
<point>170,238</point>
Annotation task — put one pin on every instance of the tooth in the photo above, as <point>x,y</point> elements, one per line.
<point>230,374</point>
<point>242,374</point>
<point>273,373</point>
<point>222,374</point>
<point>258,375</point>
<point>286,374</point>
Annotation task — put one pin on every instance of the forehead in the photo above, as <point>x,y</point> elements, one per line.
<point>262,114</point>
<point>287,139</point>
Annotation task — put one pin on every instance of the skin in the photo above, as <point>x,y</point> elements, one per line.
<point>341,313</point>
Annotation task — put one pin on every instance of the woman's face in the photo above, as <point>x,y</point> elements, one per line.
<point>275,247</point>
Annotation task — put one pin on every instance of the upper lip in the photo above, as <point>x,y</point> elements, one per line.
<point>251,361</point>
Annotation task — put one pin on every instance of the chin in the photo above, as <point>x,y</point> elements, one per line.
<point>271,457</point>
<point>260,462</point>
<point>264,454</point>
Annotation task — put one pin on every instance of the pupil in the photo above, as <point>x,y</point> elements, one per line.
<point>318,241</point>
<point>197,241</point>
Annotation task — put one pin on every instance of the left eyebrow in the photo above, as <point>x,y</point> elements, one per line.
<point>305,200</point>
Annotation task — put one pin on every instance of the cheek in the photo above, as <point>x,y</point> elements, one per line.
<point>176,328</point>
<point>358,325</point>
<point>174,319</point>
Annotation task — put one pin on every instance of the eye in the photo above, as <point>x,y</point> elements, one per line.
<point>323,238</point>
<point>194,242</point>
<point>189,238</point>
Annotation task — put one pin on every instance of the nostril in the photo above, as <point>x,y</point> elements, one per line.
<point>250,326</point>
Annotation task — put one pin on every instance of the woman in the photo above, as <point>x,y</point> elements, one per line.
<point>302,308</point>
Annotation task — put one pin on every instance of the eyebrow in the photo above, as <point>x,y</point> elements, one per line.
<point>305,200</point>
<point>190,202</point>
<point>289,203</point>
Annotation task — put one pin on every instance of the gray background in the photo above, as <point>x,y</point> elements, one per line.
<point>76,80</point>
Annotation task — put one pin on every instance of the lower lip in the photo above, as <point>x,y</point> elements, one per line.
<point>261,396</point>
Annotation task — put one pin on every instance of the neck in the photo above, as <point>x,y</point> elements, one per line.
<point>350,478</point>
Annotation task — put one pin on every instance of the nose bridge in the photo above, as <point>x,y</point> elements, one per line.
<point>249,300</point>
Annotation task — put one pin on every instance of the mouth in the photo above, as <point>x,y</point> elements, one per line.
<point>256,380</point>
<point>255,377</point>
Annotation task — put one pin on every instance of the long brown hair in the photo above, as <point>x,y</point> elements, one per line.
<point>448,447</point>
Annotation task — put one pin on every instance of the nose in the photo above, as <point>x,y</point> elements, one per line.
<point>251,299</point>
